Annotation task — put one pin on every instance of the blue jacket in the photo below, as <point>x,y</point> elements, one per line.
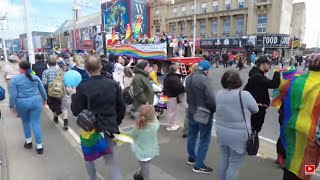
<point>22,87</point>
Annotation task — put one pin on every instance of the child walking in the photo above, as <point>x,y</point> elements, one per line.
<point>145,136</point>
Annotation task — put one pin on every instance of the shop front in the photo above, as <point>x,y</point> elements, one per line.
<point>272,45</point>
<point>234,45</point>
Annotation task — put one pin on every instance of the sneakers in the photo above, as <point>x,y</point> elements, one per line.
<point>280,161</point>
<point>191,161</point>
<point>55,119</point>
<point>65,124</point>
<point>28,145</point>
<point>203,170</point>
<point>184,136</point>
<point>39,151</point>
<point>137,176</point>
<point>172,128</point>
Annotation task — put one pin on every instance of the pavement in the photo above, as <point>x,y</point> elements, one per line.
<point>62,159</point>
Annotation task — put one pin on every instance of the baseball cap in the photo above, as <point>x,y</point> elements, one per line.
<point>204,65</point>
<point>263,60</point>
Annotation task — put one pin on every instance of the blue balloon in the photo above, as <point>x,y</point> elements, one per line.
<point>72,78</point>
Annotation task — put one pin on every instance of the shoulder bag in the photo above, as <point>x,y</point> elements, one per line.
<point>202,114</point>
<point>86,118</point>
<point>253,138</point>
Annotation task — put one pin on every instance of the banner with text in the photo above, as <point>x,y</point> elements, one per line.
<point>144,51</point>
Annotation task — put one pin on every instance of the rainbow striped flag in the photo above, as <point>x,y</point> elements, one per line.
<point>93,145</point>
<point>301,117</point>
<point>288,75</point>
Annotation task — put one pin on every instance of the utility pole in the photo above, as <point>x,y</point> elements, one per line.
<point>59,38</point>
<point>29,33</point>
<point>194,27</point>
<point>3,38</point>
<point>318,40</point>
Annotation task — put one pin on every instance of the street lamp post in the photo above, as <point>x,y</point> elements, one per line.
<point>59,38</point>
<point>29,33</point>
<point>4,39</point>
<point>194,27</point>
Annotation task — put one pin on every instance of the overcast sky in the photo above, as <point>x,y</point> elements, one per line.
<point>47,17</point>
<point>313,22</point>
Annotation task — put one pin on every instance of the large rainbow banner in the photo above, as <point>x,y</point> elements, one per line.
<point>143,51</point>
<point>302,115</point>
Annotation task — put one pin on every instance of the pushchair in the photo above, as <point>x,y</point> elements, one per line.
<point>160,100</point>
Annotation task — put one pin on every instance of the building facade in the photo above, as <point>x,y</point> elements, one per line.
<point>299,21</point>
<point>226,18</point>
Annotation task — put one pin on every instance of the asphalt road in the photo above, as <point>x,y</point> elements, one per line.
<point>270,128</point>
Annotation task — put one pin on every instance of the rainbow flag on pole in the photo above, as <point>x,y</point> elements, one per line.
<point>302,115</point>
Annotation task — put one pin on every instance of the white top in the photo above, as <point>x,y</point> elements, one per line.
<point>118,74</point>
<point>11,70</point>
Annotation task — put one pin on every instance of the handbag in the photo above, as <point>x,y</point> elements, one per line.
<point>201,115</point>
<point>253,138</point>
<point>86,118</point>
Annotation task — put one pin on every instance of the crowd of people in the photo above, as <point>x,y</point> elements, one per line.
<point>108,83</point>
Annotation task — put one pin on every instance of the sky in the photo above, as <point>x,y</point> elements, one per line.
<point>47,15</point>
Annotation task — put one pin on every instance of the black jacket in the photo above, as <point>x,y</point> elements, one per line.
<point>39,67</point>
<point>172,85</point>
<point>258,85</point>
<point>200,92</point>
<point>105,99</point>
<point>225,57</point>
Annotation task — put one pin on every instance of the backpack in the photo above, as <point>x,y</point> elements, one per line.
<point>2,93</point>
<point>128,95</point>
<point>56,87</point>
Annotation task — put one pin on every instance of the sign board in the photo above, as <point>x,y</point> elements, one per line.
<point>273,41</point>
<point>144,51</point>
<point>218,43</point>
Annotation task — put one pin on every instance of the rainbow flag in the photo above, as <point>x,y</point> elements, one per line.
<point>144,51</point>
<point>288,74</point>
<point>301,117</point>
<point>93,145</point>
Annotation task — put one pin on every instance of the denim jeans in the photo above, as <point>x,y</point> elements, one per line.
<point>112,164</point>
<point>229,164</point>
<point>203,143</point>
<point>29,110</point>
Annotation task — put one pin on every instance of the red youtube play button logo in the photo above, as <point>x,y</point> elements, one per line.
<point>310,169</point>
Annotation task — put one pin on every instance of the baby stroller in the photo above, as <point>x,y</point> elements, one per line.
<point>160,101</point>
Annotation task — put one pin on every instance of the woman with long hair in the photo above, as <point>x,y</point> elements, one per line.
<point>80,67</point>
<point>25,90</point>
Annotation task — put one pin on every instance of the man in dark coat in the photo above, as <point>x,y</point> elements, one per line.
<point>103,97</point>
<point>39,66</point>
<point>258,85</point>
